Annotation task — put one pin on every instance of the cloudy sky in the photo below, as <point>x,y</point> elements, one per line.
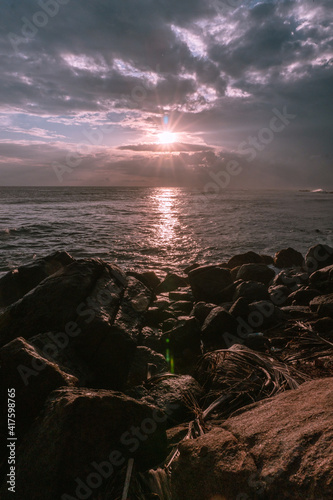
<point>166,92</point>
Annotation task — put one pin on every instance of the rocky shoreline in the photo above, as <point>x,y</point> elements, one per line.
<point>212,384</point>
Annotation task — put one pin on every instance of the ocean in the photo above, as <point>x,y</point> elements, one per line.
<point>162,229</point>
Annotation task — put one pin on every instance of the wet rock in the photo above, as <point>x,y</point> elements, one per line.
<point>323,305</point>
<point>254,454</point>
<point>256,272</point>
<point>174,395</point>
<point>317,257</point>
<point>208,283</point>
<point>15,284</point>
<point>252,291</point>
<point>33,376</point>
<point>288,257</point>
<point>146,363</point>
<point>201,310</point>
<point>83,437</point>
<point>244,258</point>
<point>171,283</point>
<point>217,328</point>
<point>323,279</point>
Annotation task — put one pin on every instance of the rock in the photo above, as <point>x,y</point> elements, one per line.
<point>169,324</point>
<point>183,342</point>
<point>208,283</point>
<point>191,267</point>
<point>201,310</point>
<point>263,452</point>
<point>297,312</point>
<point>317,257</point>
<point>155,316</point>
<point>15,284</point>
<point>146,362</point>
<point>181,306</point>
<point>33,376</point>
<point>83,437</point>
<point>323,279</point>
<point>303,296</point>
<point>171,283</point>
<point>288,257</point>
<point>148,278</point>
<point>263,314</point>
<point>151,337</point>
<point>256,272</point>
<point>234,272</point>
<point>217,328</point>
<point>291,278</point>
<point>279,294</point>
<point>185,294</point>
<point>252,291</point>
<point>323,305</point>
<point>172,394</point>
<point>95,306</point>
<point>267,259</point>
<point>244,258</point>
<point>240,308</point>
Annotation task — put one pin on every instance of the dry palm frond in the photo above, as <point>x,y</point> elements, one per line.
<point>238,376</point>
<point>308,344</point>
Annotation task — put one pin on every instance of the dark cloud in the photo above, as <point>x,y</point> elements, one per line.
<point>217,70</point>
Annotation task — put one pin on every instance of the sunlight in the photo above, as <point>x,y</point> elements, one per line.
<point>167,137</point>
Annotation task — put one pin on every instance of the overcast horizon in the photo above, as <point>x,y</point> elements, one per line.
<point>166,93</point>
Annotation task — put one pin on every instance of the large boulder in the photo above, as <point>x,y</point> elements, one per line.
<point>94,308</point>
<point>245,258</point>
<point>255,272</point>
<point>82,439</point>
<point>323,279</point>
<point>15,284</point>
<point>288,257</point>
<point>209,282</point>
<point>33,376</point>
<point>171,283</point>
<point>279,448</point>
<point>318,256</point>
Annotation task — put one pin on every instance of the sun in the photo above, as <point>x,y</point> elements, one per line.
<point>167,137</point>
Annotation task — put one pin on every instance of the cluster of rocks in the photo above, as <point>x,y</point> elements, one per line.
<point>107,367</point>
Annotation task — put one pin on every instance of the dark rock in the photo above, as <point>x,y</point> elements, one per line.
<point>183,341</point>
<point>217,328</point>
<point>148,278</point>
<point>252,291</point>
<point>15,284</point>
<point>208,283</point>
<point>240,308</point>
<point>33,376</point>
<point>263,314</point>
<point>323,305</point>
<point>169,324</point>
<point>82,432</point>
<point>171,283</point>
<point>297,312</point>
<point>151,337</point>
<point>190,268</point>
<point>256,342</point>
<point>155,316</point>
<point>267,259</point>
<point>174,395</point>
<point>185,294</point>
<point>323,279</point>
<point>279,294</point>
<point>317,257</point>
<point>234,272</point>
<point>291,279</point>
<point>201,310</point>
<point>146,363</point>
<point>256,272</point>
<point>181,306</point>
<point>244,258</point>
<point>288,257</point>
<point>254,454</point>
<point>303,296</point>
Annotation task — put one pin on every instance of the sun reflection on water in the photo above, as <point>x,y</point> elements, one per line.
<point>165,204</point>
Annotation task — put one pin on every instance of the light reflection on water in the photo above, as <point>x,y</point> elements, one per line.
<point>164,202</point>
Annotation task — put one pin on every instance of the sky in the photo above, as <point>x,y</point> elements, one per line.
<point>166,93</point>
